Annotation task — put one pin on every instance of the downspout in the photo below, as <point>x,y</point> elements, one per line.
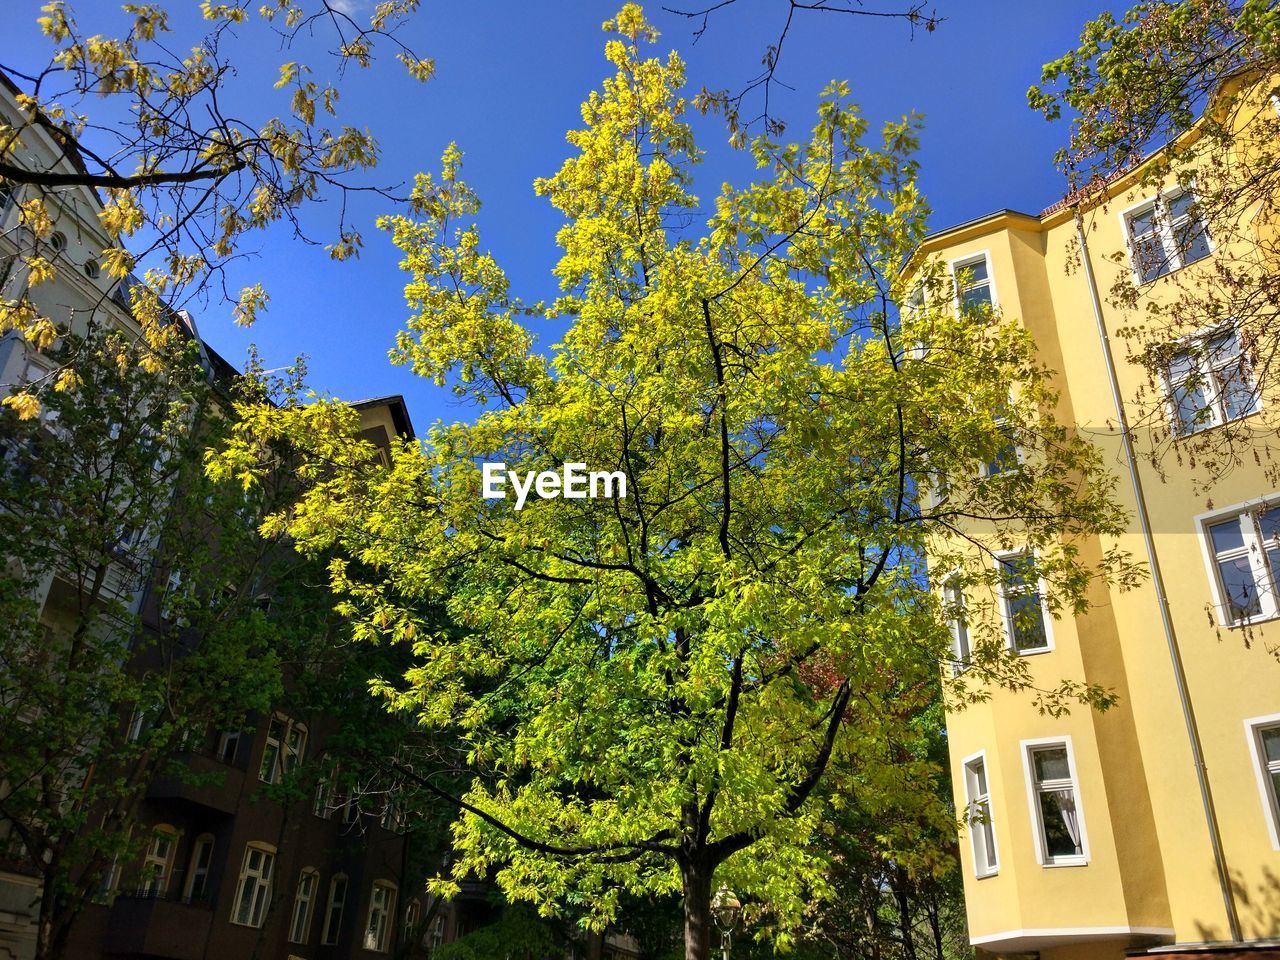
<point>1162,599</point>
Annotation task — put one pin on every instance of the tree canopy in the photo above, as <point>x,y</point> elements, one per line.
<point>668,691</point>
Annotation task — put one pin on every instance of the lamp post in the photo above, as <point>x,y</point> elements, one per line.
<point>726,908</point>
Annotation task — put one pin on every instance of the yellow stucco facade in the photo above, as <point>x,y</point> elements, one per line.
<point>1143,872</point>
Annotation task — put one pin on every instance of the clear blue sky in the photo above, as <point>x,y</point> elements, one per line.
<point>510,77</point>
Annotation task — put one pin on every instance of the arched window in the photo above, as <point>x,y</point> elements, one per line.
<point>304,896</point>
<point>253,892</point>
<point>337,904</point>
<point>198,873</point>
<point>157,865</point>
<point>382,905</point>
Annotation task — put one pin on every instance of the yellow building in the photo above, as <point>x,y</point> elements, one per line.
<point>1154,825</point>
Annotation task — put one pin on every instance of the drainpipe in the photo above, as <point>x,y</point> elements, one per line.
<point>1162,599</point>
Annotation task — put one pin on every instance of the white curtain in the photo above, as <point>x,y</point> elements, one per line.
<point>1066,801</point>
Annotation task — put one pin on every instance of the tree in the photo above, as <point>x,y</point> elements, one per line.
<point>668,690</point>
<point>132,609</point>
<point>916,14</point>
<point>145,118</point>
<point>518,934</point>
<point>1186,91</point>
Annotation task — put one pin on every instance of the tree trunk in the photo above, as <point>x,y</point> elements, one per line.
<point>51,929</point>
<point>900,893</point>
<point>935,923</point>
<point>697,912</point>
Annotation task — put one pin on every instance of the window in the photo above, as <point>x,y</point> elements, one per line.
<point>382,902</point>
<point>198,875</point>
<point>323,805</point>
<point>1007,456</point>
<point>286,745</point>
<point>300,924</point>
<point>982,831</point>
<point>1264,744</point>
<point>1055,805</point>
<point>1210,382</point>
<point>228,745</point>
<point>1165,234</point>
<point>973,283</point>
<point>435,936</point>
<point>1246,560</point>
<point>953,604</point>
<point>6,263</point>
<point>392,817</point>
<point>1022,602</point>
<point>411,914</point>
<point>177,597</point>
<point>91,269</point>
<point>934,491</point>
<point>333,915</point>
<point>139,724</point>
<point>254,890</point>
<point>158,862</point>
<point>58,241</point>
<point>108,883</point>
<point>7,192</point>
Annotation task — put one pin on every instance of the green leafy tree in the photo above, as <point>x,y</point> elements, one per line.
<point>519,934</point>
<point>1187,91</point>
<point>668,690</point>
<point>133,618</point>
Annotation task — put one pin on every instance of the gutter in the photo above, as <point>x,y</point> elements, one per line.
<point>1162,599</point>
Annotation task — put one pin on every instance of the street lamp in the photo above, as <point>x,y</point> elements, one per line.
<point>726,908</point>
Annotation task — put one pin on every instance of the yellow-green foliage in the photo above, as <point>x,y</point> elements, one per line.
<point>649,687</point>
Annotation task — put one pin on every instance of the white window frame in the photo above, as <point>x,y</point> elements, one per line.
<point>262,879</point>
<point>231,739</point>
<point>1208,380</point>
<point>378,923</point>
<point>1254,548</point>
<point>139,723</point>
<point>196,872</point>
<point>957,625</point>
<point>1019,457</point>
<point>322,806</point>
<point>1267,793</point>
<point>1006,619</point>
<point>412,913</point>
<point>287,754</point>
<point>157,871</point>
<point>981,868</point>
<point>174,590</point>
<point>300,917</point>
<point>968,260</point>
<point>1026,748</point>
<point>435,934</point>
<point>1164,230</point>
<point>330,904</point>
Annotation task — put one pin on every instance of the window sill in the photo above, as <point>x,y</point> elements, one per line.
<point>987,876</point>
<point>1065,862</point>
<point>1033,652</point>
<point>1252,621</point>
<point>1179,437</point>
